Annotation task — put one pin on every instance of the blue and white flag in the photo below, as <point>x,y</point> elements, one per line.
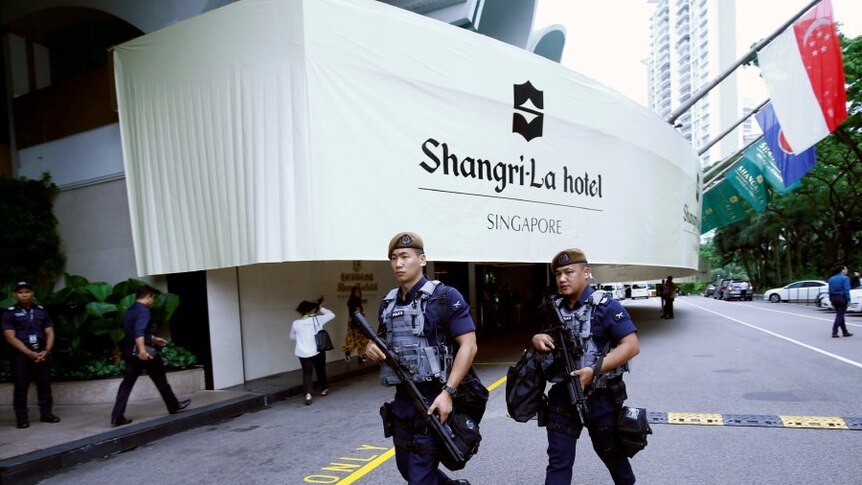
<point>792,167</point>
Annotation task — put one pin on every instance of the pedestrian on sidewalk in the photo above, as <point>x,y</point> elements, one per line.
<point>29,331</point>
<point>314,317</point>
<point>141,352</point>
<point>355,340</point>
<point>839,295</point>
<point>659,290</point>
<point>669,291</point>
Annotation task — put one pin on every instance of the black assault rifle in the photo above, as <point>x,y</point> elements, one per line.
<point>452,457</point>
<point>564,336</point>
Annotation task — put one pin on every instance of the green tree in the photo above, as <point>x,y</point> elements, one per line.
<point>803,233</point>
<point>29,240</point>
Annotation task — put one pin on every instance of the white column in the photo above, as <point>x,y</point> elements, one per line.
<point>225,328</point>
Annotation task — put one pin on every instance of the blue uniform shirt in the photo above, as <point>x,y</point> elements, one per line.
<point>610,322</point>
<point>840,284</point>
<point>27,323</point>
<point>437,327</point>
<point>136,323</point>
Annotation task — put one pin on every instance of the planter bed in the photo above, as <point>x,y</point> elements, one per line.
<point>102,391</point>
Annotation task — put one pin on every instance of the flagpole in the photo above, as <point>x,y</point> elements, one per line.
<point>726,132</point>
<point>722,167</point>
<point>742,60</point>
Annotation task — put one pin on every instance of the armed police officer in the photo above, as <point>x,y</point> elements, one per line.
<point>599,323</point>
<point>421,318</point>
<point>29,331</point>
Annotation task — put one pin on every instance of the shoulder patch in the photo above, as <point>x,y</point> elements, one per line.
<point>619,316</point>
<point>600,297</point>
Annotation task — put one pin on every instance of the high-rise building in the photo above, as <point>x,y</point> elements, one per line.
<point>692,42</point>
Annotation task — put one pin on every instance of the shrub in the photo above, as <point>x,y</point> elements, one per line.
<point>88,327</point>
<point>30,238</point>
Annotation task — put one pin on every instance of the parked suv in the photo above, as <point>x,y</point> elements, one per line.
<point>720,287</point>
<point>737,290</point>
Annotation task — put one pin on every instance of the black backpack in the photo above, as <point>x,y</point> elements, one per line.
<point>525,387</point>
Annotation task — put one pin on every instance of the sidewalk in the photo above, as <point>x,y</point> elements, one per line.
<point>85,434</point>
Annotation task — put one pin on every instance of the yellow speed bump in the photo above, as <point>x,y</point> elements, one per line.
<point>819,422</point>
<point>712,419</point>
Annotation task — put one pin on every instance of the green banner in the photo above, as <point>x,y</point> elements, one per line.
<point>709,221</point>
<point>760,156</point>
<point>726,203</point>
<point>747,178</point>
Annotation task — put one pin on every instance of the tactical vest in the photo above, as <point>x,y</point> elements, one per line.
<point>405,326</point>
<point>578,322</point>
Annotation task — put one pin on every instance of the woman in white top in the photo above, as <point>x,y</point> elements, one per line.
<point>314,317</point>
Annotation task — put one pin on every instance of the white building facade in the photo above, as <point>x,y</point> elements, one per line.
<point>692,42</point>
<point>62,111</point>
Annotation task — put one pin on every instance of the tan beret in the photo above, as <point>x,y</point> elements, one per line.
<point>567,257</point>
<point>405,240</point>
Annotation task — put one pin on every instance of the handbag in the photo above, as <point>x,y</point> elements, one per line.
<point>632,430</point>
<point>323,340</point>
<point>471,397</point>
<point>525,387</point>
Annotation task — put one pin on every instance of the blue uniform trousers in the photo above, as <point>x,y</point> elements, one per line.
<point>418,461</point>
<point>563,433</point>
<point>25,370</point>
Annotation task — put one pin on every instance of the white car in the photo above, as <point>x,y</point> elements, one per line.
<point>855,305</point>
<point>615,289</point>
<point>806,290</point>
<point>640,290</point>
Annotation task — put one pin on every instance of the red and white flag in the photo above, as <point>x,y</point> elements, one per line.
<point>804,74</point>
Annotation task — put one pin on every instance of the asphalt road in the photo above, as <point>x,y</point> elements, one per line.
<point>744,358</point>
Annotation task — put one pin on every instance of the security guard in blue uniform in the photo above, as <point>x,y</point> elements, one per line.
<point>610,323</point>
<point>446,318</point>
<point>30,333</point>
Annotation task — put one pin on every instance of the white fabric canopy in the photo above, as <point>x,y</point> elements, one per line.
<point>293,130</point>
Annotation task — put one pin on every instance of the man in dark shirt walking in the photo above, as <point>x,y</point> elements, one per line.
<point>140,350</point>
<point>839,296</point>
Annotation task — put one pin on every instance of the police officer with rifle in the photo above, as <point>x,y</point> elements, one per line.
<point>592,338</point>
<point>419,322</point>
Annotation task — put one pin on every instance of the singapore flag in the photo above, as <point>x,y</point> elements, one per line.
<point>804,74</point>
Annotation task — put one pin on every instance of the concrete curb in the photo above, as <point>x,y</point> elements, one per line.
<point>32,467</point>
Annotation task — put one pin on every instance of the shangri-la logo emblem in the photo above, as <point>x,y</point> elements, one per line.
<point>528,119</point>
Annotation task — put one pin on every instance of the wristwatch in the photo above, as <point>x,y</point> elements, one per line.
<point>451,390</point>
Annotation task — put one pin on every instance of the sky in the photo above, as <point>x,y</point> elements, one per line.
<point>608,40</point>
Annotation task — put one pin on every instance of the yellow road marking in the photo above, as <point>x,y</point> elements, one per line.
<point>713,419</point>
<point>497,384</point>
<point>367,468</point>
<point>391,452</point>
<point>818,422</point>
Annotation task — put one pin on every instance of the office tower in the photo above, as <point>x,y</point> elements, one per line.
<point>692,42</point>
